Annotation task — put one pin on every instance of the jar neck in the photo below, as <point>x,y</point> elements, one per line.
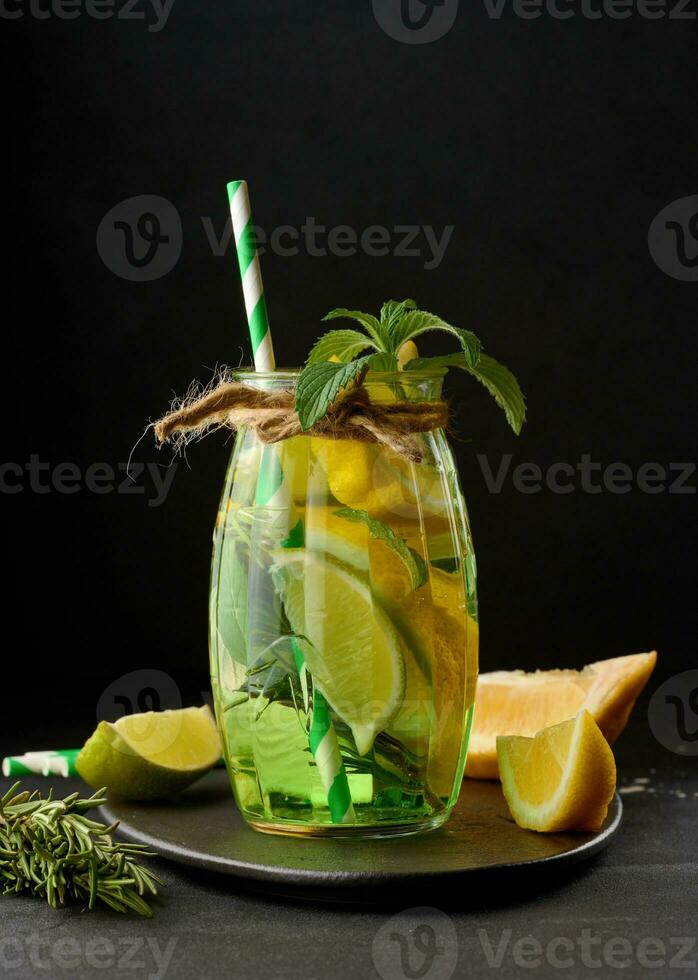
<point>382,387</point>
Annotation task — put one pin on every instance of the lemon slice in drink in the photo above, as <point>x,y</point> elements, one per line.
<point>354,652</point>
<point>390,488</point>
<point>561,779</point>
<point>150,755</point>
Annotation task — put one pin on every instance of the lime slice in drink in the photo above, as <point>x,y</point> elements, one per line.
<point>150,755</point>
<point>351,544</point>
<point>353,652</point>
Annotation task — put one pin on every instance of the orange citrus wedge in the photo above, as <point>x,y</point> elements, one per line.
<point>517,703</point>
<point>561,779</point>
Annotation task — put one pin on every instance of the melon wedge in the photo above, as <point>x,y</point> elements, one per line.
<point>517,703</point>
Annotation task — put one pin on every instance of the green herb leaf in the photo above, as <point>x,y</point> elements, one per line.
<point>319,386</point>
<point>413,561</point>
<point>268,672</point>
<point>498,380</point>
<point>342,344</point>
<point>241,630</point>
<point>418,321</point>
<point>393,311</point>
<point>383,362</point>
<point>373,327</point>
<point>228,596</point>
<point>48,848</point>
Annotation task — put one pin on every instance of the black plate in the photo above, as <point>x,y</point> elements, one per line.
<point>204,829</point>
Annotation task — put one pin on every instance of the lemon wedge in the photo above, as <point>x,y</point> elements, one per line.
<point>561,779</point>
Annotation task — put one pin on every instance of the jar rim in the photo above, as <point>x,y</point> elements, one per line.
<point>373,377</point>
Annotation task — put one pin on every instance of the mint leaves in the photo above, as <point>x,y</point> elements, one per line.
<point>393,311</point>
<point>412,560</point>
<point>337,359</point>
<point>376,329</point>
<point>344,345</point>
<point>417,322</point>
<point>498,380</point>
<point>319,386</point>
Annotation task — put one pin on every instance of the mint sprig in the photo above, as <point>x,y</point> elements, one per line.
<point>376,329</point>
<point>498,380</point>
<point>394,310</point>
<point>320,385</point>
<point>412,560</point>
<point>337,360</point>
<point>342,345</point>
<point>417,322</point>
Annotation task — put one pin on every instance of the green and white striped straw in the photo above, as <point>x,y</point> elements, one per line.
<point>272,492</point>
<point>48,762</point>
<point>251,275</point>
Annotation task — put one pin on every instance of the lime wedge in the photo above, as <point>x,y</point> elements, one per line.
<point>354,652</point>
<point>150,755</point>
<point>352,544</point>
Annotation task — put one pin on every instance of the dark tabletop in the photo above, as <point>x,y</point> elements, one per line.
<point>631,911</point>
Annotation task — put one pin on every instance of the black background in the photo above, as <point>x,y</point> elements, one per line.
<point>549,146</point>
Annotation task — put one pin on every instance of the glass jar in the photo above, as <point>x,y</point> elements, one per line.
<point>343,627</point>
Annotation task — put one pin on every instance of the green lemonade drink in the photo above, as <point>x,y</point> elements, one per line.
<point>346,605</point>
<point>343,607</point>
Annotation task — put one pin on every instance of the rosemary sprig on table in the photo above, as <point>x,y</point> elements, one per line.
<point>51,849</point>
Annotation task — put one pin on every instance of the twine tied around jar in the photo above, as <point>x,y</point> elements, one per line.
<point>272,416</point>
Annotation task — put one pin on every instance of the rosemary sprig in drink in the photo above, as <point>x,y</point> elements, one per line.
<point>51,849</point>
